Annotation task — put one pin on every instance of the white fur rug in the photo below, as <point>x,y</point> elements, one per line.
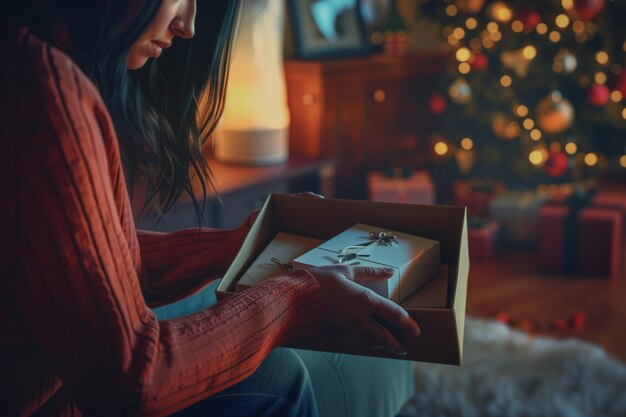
<point>507,374</point>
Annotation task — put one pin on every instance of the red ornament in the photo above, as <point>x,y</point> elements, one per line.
<point>530,19</point>
<point>559,325</point>
<point>556,164</point>
<point>620,83</point>
<point>587,9</point>
<point>598,94</point>
<point>481,62</point>
<point>437,104</point>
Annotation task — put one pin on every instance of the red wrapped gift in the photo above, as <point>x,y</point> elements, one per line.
<point>482,239</point>
<point>416,188</point>
<point>613,199</point>
<point>552,228</point>
<point>600,241</point>
<point>476,194</point>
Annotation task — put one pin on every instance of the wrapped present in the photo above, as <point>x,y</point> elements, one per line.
<point>614,199</point>
<point>414,187</point>
<point>415,260</point>
<point>518,212</point>
<point>553,225</point>
<point>476,194</point>
<point>275,258</point>
<point>600,244</point>
<point>482,237</point>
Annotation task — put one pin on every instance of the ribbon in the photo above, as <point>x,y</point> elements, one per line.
<point>351,252</point>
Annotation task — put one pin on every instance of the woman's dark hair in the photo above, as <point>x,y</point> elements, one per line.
<point>164,112</point>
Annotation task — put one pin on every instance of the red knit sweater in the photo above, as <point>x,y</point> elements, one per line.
<point>75,274</point>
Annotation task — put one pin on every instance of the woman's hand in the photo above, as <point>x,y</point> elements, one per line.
<point>358,314</point>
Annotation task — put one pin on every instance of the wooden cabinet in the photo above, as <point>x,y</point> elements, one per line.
<point>366,113</point>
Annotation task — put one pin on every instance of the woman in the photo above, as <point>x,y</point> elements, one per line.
<point>85,111</point>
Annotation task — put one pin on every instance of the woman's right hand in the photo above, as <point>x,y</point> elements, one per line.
<point>358,314</point>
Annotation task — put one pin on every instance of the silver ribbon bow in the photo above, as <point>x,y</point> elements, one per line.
<point>351,252</point>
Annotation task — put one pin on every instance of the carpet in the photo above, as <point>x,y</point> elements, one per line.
<point>507,373</point>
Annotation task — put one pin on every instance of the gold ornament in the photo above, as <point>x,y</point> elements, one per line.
<point>554,113</point>
<point>460,91</point>
<point>470,6</point>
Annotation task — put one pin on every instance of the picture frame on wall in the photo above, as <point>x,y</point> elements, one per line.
<point>328,29</point>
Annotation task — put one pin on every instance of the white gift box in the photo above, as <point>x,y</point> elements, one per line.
<point>415,260</point>
<point>283,248</point>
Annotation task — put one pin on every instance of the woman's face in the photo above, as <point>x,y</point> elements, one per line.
<point>174,18</point>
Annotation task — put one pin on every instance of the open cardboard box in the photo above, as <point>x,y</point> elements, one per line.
<point>441,339</point>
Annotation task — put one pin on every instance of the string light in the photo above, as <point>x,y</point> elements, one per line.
<point>624,113</point>
<point>459,33</point>
<point>600,77</point>
<point>506,81</point>
<point>467,144</point>
<point>521,110</point>
<point>602,57</point>
<point>441,148</point>
<point>529,124</point>
<point>535,157</point>
<point>487,42</point>
<point>542,28</point>
<point>463,54</point>
<point>517,26</point>
<point>581,37</point>
<point>471,23</point>
<point>451,10</point>
<point>464,68</point>
<point>535,134</point>
<point>591,159</point>
<point>530,52</point>
<point>501,12</point>
<point>475,44</point>
<point>567,4</point>
<point>555,146</point>
<point>571,148</point>
<point>562,21</point>
<point>495,36</point>
<point>555,36</point>
<point>492,27</point>
<point>452,40</point>
<point>622,161</point>
<point>578,26</point>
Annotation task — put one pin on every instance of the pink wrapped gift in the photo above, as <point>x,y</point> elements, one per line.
<point>417,188</point>
<point>482,239</point>
<point>600,241</point>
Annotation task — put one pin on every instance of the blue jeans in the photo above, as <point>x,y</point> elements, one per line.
<point>280,387</point>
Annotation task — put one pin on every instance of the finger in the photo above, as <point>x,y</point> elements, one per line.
<point>369,273</point>
<point>392,313</point>
<point>381,337</point>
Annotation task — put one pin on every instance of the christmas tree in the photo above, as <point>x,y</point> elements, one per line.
<point>535,91</point>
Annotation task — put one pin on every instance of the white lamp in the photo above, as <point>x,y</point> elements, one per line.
<point>254,129</point>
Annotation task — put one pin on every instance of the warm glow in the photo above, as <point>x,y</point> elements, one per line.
<point>501,12</point>
<point>506,81</point>
<point>555,146</point>
<point>463,54</point>
<point>451,10</point>
<point>487,42</point>
<point>529,124</point>
<point>602,57</point>
<point>459,33</point>
<point>447,31</point>
<point>535,157</point>
<point>616,96</point>
<point>542,28</point>
<point>495,36</point>
<point>535,134</point>
<point>562,21</point>
<point>467,144</point>
<point>555,36</point>
<point>578,26</point>
<point>557,67</point>
<point>624,113</point>
<point>581,37</point>
<point>452,40</point>
<point>471,23</point>
<point>492,27</point>
<point>571,148</point>
<point>521,110</point>
<point>530,52</point>
<point>441,148</point>
<point>622,161</point>
<point>624,46</point>
<point>567,4</point>
<point>464,68</point>
<point>517,26</point>
<point>591,159</point>
<point>599,77</point>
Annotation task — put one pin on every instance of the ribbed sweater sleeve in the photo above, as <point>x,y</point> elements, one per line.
<point>78,294</point>
<point>174,265</point>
